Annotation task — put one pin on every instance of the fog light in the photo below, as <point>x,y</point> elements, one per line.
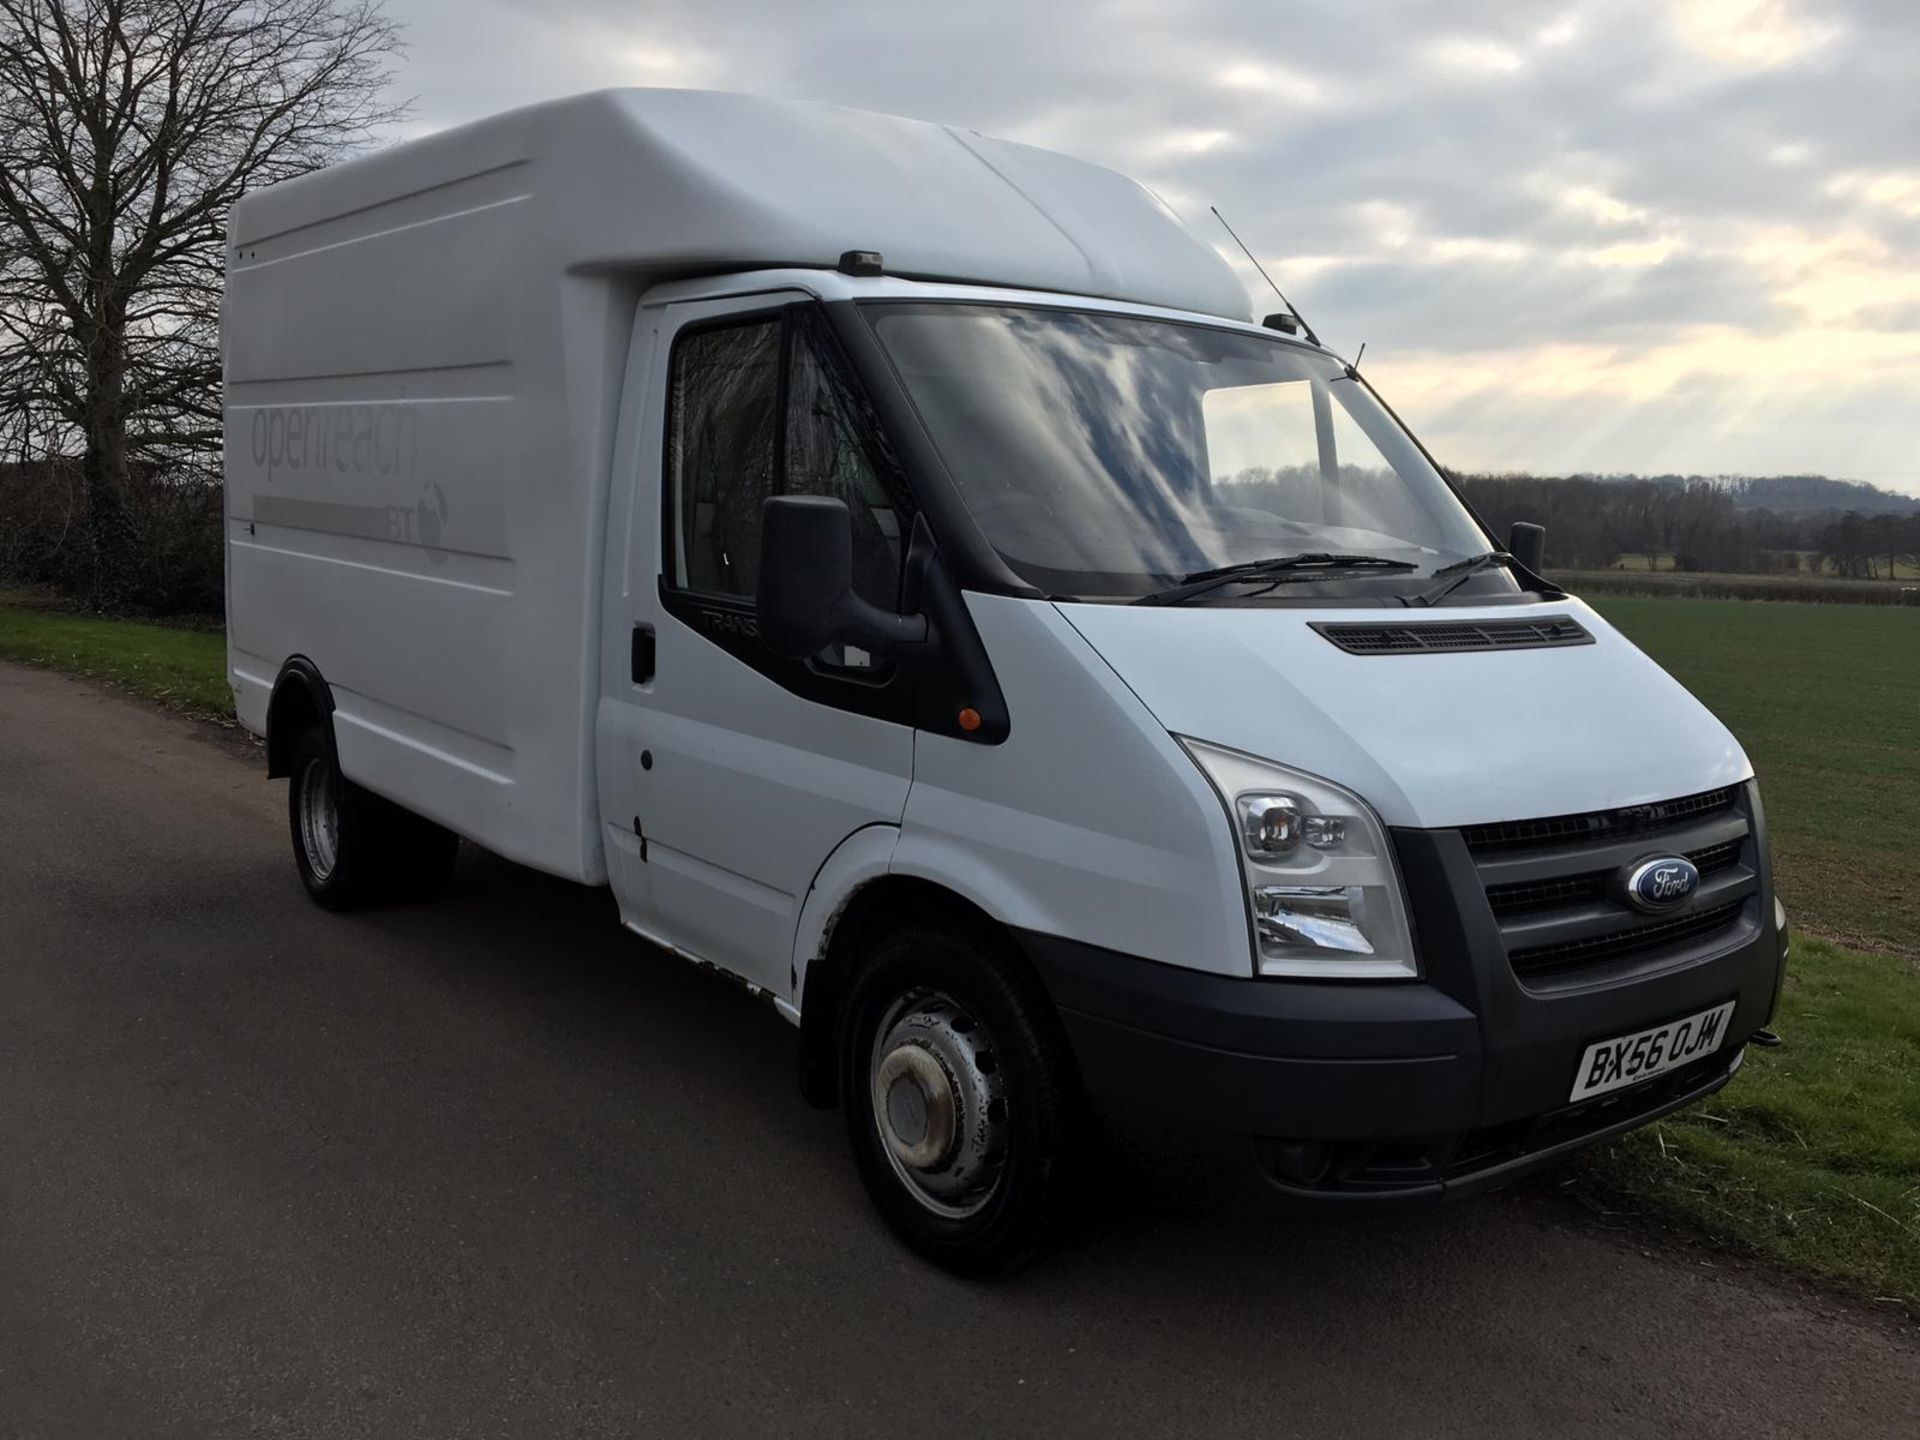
<point>1302,1162</point>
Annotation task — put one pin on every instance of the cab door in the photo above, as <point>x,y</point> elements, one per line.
<point>747,770</point>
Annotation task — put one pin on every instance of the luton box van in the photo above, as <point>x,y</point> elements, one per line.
<point>898,565</point>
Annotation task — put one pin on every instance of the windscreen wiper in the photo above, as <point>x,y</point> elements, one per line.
<point>1459,573</point>
<point>1275,571</point>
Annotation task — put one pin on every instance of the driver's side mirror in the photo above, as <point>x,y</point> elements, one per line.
<point>1528,544</point>
<point>805,600</point>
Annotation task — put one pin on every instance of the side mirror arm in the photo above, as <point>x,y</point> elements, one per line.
<point>855,618</point>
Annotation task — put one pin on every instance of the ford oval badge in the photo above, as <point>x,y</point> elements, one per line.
<point>1661,883</point>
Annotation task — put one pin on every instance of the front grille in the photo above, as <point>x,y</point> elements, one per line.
<point>1528,895</point>
<point>1545,894</point>
<point>1546,960</point>
<point>1716,857</point>
<point>1596,824</point>
<point>1451,636</point>
<point>1554,885</point>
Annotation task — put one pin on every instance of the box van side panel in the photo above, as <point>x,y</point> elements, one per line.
<point>413,498</point>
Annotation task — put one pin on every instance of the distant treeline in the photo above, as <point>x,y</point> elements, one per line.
<point>1802,493</point>
<point>1793,493</point>
<point>1757,526</point>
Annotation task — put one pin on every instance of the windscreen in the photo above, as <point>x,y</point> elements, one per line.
<point>1108,456</point>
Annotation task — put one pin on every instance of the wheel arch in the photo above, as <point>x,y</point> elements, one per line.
<point>301,699</point>
<point>868,906</point>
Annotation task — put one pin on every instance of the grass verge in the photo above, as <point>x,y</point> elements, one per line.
<point>1810,1159</point>
<point>185,670</point>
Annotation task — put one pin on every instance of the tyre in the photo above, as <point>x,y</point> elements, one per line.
<point>354,848</point>
<point>960,1097</point>
<point>421,854</point>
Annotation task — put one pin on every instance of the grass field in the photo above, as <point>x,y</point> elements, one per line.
<point>1826,700</point>
<point>1811,1158</point>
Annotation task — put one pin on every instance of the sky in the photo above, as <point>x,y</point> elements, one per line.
<point>1621,235</point>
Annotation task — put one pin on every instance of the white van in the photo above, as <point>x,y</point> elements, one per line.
<point>896,563</point>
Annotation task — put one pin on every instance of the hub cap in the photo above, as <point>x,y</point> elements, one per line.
<point>319,818</point>
<point>939,1103</point>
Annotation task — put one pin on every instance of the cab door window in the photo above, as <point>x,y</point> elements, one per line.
<point>758,408</point>
<point>725,394</point>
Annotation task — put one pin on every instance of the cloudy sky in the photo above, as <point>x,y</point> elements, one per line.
<point>1652,235</point>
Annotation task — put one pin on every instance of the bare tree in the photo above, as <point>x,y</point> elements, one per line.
<point>127,130</point>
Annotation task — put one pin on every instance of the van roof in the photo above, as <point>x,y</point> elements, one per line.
<point>669,183</point>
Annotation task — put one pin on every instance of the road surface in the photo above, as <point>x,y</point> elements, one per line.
<point>490,1166</point>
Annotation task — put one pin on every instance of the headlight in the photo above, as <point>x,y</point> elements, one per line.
<point>1324,896</point>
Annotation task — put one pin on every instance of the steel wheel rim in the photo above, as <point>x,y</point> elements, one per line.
<point>319,818</point>
<point>939,1103</point>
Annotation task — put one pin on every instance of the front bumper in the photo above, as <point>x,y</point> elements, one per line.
<point>1377,1089</point>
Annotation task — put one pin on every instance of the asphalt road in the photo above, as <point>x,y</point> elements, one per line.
<point>490,1166</point>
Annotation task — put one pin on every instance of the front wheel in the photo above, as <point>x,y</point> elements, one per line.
<point>960,1097</point>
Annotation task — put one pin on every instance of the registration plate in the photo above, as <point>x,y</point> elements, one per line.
<point>1615,1064</point>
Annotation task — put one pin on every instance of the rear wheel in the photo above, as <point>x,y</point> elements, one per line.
<point>354,848</point>
<point>960,1098</point>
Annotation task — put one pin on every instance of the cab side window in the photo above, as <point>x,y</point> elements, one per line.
<point>725,393</point>
<point>730,446</point>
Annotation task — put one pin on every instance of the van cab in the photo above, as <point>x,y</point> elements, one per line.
<point>899,565</point>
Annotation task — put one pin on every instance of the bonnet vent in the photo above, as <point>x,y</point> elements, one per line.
<point>1445,636</point>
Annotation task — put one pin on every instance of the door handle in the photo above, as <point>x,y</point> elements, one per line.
<point>643,654</point>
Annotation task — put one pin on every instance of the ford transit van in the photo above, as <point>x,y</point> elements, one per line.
<point>901,567</point>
